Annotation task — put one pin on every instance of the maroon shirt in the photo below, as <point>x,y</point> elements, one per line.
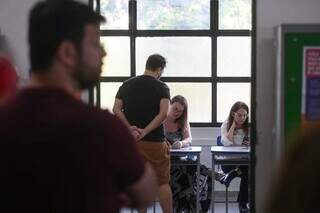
<point>58,154</point>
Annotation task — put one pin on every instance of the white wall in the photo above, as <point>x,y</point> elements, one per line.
<point>271,13</point>
<point>13,24</point>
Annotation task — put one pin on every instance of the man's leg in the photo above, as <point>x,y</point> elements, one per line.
<point>165,196</point>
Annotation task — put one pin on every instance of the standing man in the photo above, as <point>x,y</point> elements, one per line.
<point>58,154</point>
<point>142,103</point>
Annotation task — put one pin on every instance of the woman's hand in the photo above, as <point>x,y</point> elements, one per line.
<point>177,145</point>
<point>234,125</point>
<point>246,141</point>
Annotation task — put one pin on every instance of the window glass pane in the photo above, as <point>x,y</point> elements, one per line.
<point>108,94</point>
<point>116,13</point>
<point>228,94</point>
<point>235,14</point>
<point>173,14</point>
<point>199,106</point>
<point>95,96</point>
<point>234,56</point>
<point>186,56</point>
<point>117,61</point>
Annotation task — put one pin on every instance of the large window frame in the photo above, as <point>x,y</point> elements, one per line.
<point>214,32</point>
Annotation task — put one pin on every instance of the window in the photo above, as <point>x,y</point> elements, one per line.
<point>207,45</point>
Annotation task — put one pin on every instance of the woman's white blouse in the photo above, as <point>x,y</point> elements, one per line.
<point>238,135</point>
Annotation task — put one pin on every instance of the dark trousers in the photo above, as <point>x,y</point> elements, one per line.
<point>243,196</point>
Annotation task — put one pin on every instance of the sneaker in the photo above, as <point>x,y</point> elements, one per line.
<point>229,177</point>
<point>244,208</point>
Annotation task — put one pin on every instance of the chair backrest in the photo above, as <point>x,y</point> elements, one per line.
<point>219,143</point>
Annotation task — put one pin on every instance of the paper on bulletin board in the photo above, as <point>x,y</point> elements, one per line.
<point>310,105</point>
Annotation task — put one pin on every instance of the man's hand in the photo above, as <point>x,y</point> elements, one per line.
<point>177,145</point>
<point>124,199</point>
<point>136,132</point>
<point>142,134</point>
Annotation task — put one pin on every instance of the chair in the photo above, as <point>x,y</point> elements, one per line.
<point>219,143</point>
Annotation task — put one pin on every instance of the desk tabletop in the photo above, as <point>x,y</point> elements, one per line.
<point>230,149</point>
<point>189,149</point>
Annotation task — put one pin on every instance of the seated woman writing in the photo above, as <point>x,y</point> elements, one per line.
<point>235,132</point>
<point>183,178</point>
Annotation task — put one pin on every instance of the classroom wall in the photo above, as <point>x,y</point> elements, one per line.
<point>13,23</point>
<point>270,13</point>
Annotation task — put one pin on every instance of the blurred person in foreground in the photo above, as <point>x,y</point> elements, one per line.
<point>57,153</point>
<point>296,188</point>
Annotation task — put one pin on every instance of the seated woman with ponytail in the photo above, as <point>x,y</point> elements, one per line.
<point>183,178</point>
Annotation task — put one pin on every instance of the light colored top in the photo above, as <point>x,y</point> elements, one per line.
<point>234,149</point>
<point>238,136</point>
<point>189,149</point>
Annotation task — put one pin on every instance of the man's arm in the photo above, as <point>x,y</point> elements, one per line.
<point>142,193</point>
<point>118,111</point>
<point>157,121</point>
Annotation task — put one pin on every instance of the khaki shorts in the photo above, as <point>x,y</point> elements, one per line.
<point>158,155</point>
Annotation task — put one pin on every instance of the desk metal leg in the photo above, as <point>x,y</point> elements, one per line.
<point>212,185</point>
<point>227,199</point>
<point>198,182</point>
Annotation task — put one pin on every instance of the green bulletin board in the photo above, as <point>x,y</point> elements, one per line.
<point>298,55</point>
<point>294,45</point>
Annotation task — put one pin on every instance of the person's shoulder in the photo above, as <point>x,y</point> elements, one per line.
<point>102,115</point>
<point>161,83</point>
<point>133,79</point>
<point>105,118</point>
<point>225,123</point>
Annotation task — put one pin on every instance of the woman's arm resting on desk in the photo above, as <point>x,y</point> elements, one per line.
<point>141,196</point>
<point>226,135</point>
<point>187,138</point>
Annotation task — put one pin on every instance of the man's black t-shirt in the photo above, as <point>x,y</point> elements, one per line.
<point>141,97</point>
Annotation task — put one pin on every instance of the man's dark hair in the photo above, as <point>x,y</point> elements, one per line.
<point>53,21</point>
<point>155,61</point>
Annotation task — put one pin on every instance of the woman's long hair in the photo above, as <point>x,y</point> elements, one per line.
<point>235,107</point>
<point>183,119</point>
